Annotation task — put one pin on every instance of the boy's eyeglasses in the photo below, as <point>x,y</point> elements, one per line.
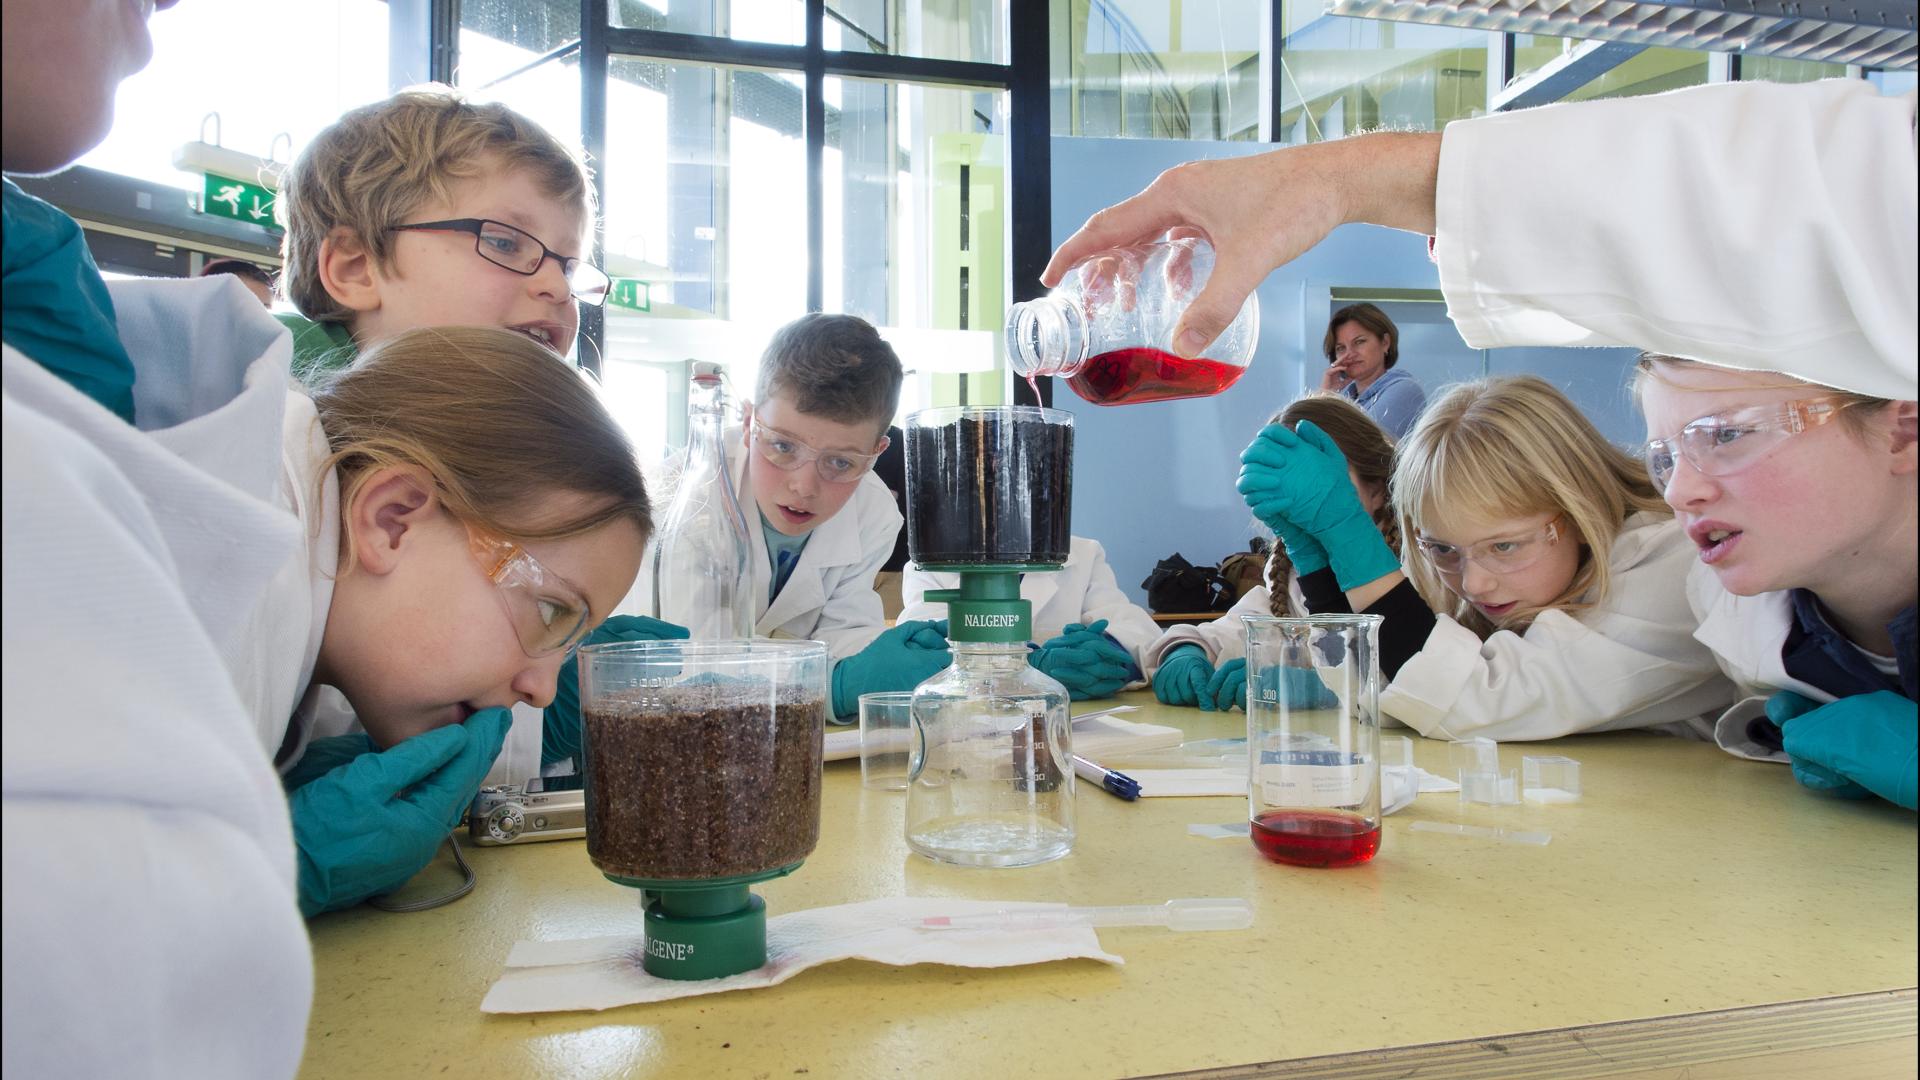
<point>517,250</point>
<point>547,614</point>
<point>1725,443</point>
<point>1508,555</point>
<point>783,451</point>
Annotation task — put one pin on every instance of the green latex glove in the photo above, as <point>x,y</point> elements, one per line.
<point>325,755</point>
<point>1228,687</point>
<point>560,730</point>
<point>1299,688</point>
<point>1853,746</point>
<point>371,824</point>
<point>1182,678</point>
<point>898,660</point>
<point>1085,661</point>
<point>1298,480</point>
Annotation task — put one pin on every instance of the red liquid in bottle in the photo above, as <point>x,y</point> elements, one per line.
<point>1131,375</point>
<point>1315,837</point>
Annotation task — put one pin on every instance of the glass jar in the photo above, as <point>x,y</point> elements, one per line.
<point>989,485</point>
<point>1108,327</point>
<point>991,775</point>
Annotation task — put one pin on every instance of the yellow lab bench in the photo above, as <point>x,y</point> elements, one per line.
<point>1695,915</point>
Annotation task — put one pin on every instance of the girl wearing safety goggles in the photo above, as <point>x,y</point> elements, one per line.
<point>472,512</point>
<point>1799,502</point>
<point>1542,590</point>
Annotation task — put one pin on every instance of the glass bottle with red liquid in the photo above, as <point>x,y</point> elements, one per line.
<point>1108,327</point>
<point>1313,776</point>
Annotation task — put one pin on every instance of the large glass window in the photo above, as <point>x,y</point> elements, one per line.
<point>1342,75</point>
<point>935,29</point>
<point>778,22</point>
<point>275,73</point>
<point>1650,71</point>
<point>1158,69</point>
<point>1782,70</point>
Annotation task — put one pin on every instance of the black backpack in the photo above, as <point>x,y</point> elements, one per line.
<point>1178,586</point>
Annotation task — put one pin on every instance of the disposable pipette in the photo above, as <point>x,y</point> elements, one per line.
<point>1208,914</point>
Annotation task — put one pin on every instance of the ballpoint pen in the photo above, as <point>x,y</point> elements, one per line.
<point>1117,782</point>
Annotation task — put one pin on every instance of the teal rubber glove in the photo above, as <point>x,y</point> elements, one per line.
<point>1085,661</point>
<point>1298,688</point>
<point>325,755</point>
<point>898,660</point>
<point>1182,678</point>
<point>1299,479</point>
<point>1860,744</point>
<point>560,729</point>
<point>370,825</point>
<point>1228,687</point>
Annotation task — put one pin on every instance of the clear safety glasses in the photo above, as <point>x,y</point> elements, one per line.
<point>547,614</point>
<point>1725,443</point>
<point>783,451</point>
<point>1505,555</point>
<point>517,250</point>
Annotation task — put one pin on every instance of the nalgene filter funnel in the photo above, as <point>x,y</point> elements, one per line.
<point>702,777</point>
<point>1108,327</point>
<point>1313,777</point>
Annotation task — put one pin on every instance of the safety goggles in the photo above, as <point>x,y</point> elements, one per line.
<point>783,451</point>
<point>548,615</point>
<point>517,250</point>
<point>1725,443</point>
<point>1504,555</point>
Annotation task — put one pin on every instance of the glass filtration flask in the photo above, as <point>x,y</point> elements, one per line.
<point>1313,727</point>
<point>990,777</point>
<point>702,566</point>
<point>1107,328</point>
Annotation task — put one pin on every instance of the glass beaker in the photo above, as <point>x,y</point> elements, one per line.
<point>1313,785</point>
<point>990,780</point>
<point>702,759</point>
<point>989,485</point>
<point>1107,328</point>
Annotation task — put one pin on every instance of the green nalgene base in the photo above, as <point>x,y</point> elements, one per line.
<point>704,929</point>
<point>987,606</point>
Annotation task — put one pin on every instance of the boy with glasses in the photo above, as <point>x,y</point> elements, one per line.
<point>428,210</point>
<point>828,388</point>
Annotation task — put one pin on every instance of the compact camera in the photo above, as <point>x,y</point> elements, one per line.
<point>543,808</point>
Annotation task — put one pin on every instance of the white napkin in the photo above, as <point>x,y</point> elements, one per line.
<point>605,972</point>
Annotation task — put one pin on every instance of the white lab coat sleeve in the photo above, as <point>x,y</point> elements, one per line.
<point>150,918</point>
<point>853,614</point>
<point>915,584</point>
<point>1127,621</point>
<point>1629,662</point>
<point>1754,225</point>
<point>1223,639</point>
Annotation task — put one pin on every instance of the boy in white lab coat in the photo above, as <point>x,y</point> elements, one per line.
<point>1096,639</point>
<point>820,521</point>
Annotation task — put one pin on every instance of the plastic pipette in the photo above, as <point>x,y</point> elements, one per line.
<point>1209,914</point>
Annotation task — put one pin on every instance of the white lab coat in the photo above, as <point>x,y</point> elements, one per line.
<point>1754,225</point>
<point>1746,635</point>
<point>150,911</point>
<point>1083,591</point>
<point>1628,662</point>
<point>829,596</point>
<point>1224,638</point>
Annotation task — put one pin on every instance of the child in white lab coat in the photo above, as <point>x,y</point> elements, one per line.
<point>1546,579</point>
<point>1205,664</point>
<point>821,524</point>
<point>1095,640</point>
<point>471,513</point>
<point>1800,502</point>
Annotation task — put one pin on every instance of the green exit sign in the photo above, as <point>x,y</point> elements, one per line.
<point>237,199</point>
<point>631,293</point>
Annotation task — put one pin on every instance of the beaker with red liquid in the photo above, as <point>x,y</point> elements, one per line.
<point>1313,776</point>
<point>1108,327</point>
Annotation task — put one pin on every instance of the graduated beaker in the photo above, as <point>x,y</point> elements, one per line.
<point>1313,782</point>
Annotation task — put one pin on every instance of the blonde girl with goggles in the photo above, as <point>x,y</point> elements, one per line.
<point>1542,593</point>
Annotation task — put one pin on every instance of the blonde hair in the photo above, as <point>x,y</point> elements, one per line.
<point>1514,446</point>
<point>375,165</point>
<point>1368,450</point>
<point>496,422</point>
<point>1857,420</point>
